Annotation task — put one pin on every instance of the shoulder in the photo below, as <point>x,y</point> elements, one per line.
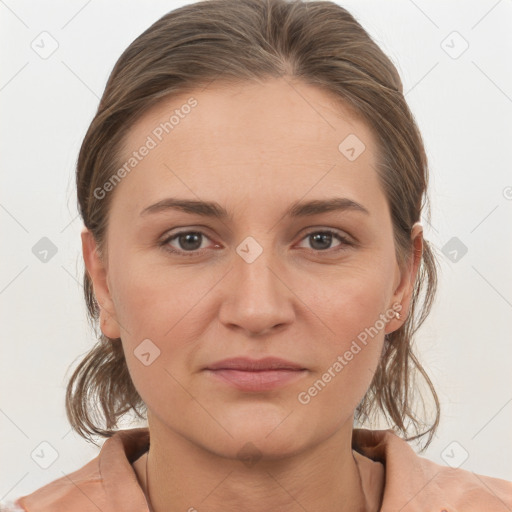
<point>414,483</point>
<point>10,506</point>
<point>107,482</point>
<point>79,491</point>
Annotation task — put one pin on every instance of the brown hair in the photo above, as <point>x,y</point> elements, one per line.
<point>319,43</point>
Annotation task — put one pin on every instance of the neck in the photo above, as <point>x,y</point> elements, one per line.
<point>184,476</point>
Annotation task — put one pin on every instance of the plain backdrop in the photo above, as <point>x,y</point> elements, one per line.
<point>454,59</point>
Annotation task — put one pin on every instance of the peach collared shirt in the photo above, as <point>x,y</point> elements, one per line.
<point>410,483</point>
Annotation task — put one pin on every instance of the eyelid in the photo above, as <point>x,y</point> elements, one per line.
<point>343,238</point>
<point>345,241</point>
<point>167,237</point>
<point>335,231</point>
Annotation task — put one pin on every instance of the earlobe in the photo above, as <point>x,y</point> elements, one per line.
<point>98,274</point>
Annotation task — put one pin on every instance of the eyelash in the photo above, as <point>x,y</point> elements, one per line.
<point>164,243</point>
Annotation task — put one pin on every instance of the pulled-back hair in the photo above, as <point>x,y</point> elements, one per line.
<point>318,43</point>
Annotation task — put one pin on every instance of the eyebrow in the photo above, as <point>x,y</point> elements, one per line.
<point>215,210</point>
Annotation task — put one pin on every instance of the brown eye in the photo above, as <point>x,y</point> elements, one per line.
<point>186,243</point>
<point>321,241</point>
<point>189,241</point>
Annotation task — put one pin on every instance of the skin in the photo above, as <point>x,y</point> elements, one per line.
<point>255,149</point>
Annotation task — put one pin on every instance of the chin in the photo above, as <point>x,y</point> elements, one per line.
<point>262,430</point>
<point>249,449</point>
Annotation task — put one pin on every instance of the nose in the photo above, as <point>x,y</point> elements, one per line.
<point>257,300</point>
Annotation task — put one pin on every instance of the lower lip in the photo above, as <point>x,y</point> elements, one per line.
<point>264,380</point>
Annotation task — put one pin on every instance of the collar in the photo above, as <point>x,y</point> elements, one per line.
<point>411,483</point>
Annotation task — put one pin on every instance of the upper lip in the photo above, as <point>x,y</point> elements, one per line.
<point>247,364</point>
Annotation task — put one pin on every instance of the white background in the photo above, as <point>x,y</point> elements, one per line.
<point>463,107</point>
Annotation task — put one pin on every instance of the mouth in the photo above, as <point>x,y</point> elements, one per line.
<point>256,375</point>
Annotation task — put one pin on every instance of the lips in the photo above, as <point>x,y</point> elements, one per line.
<point>255,374</point>
<point>254,365</point>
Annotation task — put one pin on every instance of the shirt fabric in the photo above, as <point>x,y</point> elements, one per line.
<point>411,483</point>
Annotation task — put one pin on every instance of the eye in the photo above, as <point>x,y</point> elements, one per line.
<point>187,243</point>
<point>322,240</point>
<point>190,243</point>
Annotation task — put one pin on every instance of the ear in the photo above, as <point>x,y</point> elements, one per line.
<point>98,273</point>
<point>405,287</point>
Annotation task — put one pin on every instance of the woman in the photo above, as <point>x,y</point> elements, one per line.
<point>251,189</point>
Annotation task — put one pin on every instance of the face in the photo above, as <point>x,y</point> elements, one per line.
<point>271,278</point>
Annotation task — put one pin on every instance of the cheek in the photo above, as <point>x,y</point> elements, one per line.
<point>156,300</point>
<point>162,311</point>
<point>159,313</point>
<point>350,300</point>
<point>173,306</point>
<point>355,310</point>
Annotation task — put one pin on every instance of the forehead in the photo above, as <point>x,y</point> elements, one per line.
<point>275,138</point>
